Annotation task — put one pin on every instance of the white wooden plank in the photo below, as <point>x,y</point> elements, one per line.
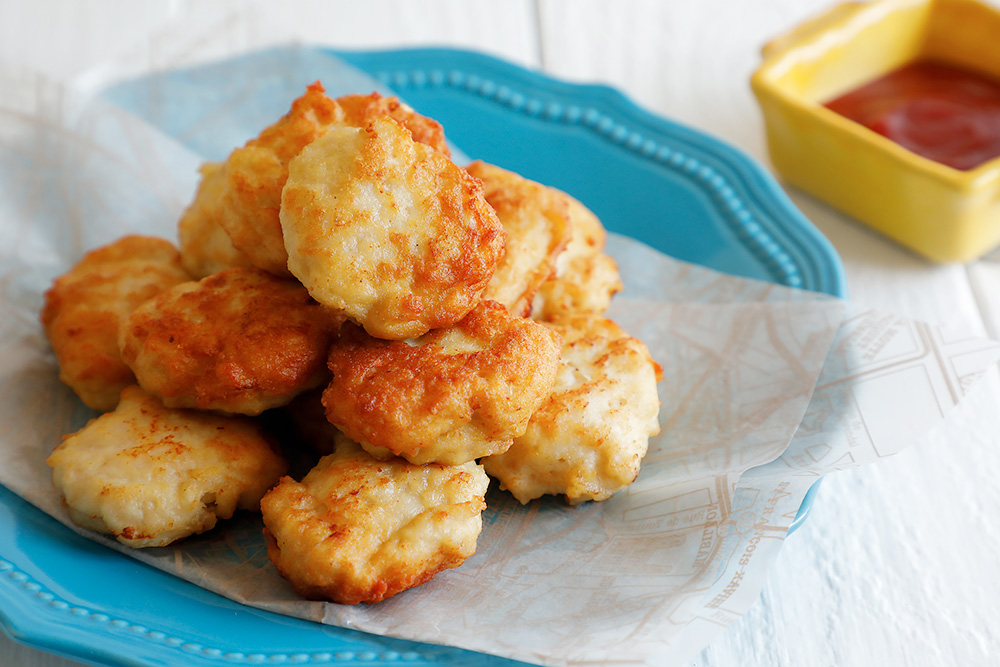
<point>506,29</point>
<point>64,38</point>
<point>61,38</point>
<point>688,60</point>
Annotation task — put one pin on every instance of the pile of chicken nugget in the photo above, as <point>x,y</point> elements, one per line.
<point>346,298</point>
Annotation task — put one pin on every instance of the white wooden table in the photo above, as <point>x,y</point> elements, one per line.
<point>898,563</point>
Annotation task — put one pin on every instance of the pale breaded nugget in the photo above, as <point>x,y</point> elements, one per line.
<point>239,341</point>
<point>388,230</point>
<point>205,246</point>
<point>586,277</point>
<point>536,219</point>
<point>150,475</point>
<point>85,307</point>
<point>356,529</point>
<point>588,438</point>
<point>451,396</point>
<point>256,173</point>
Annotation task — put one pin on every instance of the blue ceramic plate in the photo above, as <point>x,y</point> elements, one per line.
<point>67,595</point>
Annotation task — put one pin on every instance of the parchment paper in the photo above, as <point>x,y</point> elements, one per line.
<point>765,390</point>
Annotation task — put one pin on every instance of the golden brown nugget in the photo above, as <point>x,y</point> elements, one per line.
<point>240,341</point>
<point>451,396</point>
<point>536,219</point>
<point>388,230</point>
<point>586,278</point>
<point>359,110</point>
<point>356,529</point>
<point>205,246</point>
<point>85,307</point>
<point>587,440</point>
<point>256,173</point>
<point>149,475</point>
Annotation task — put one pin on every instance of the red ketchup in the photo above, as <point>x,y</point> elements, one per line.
<point>948,114</point>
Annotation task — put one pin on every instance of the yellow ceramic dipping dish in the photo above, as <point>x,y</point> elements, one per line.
<point>943,213</point>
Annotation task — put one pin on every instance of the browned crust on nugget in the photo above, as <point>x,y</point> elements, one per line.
<point>388,230</point>
<point>85,307</point>
<point>586,278</point>
<point>453,395</point>
<point>356,529</point>
<point>239,341</point>
<point>256,173</point>
<point>204,244</point>
<point>360,110</point>
<point>536,219</point>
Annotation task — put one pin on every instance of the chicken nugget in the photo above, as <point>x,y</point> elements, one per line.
<point>450,396</point>
<point>256,173</point>
<point>359,110</point>
<point>85,307</point>
<point>586,278</point>
<point>149,475</point>
<point>356,529</point>
<point>587,440</point>
<point>205,246</point>
<point>388,230</point>
<point>536,219</point>
<point>239,341</point>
